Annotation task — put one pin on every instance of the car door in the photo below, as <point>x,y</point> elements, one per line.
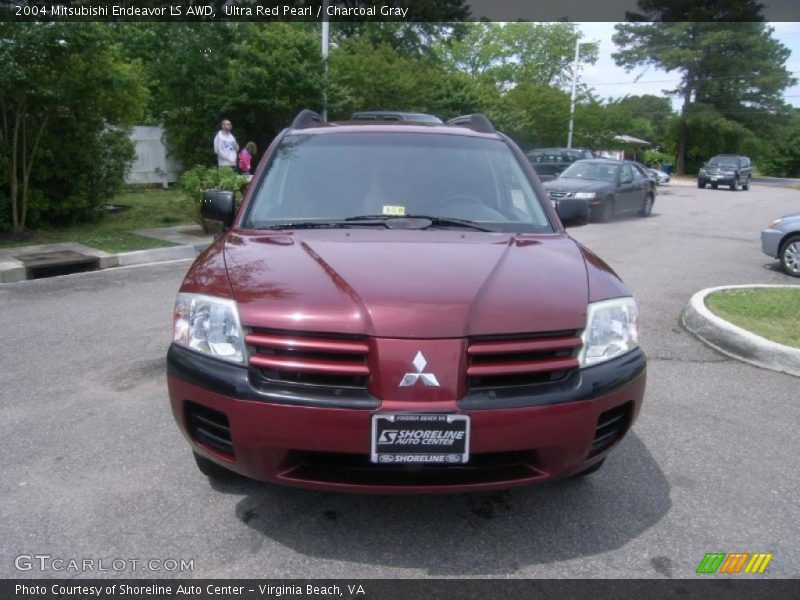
<point>643,186</point>
<point>745,169</point>
<point>626,192</point>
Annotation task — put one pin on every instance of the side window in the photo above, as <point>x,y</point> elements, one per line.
<point>627,173</point>
<point>637,174</point>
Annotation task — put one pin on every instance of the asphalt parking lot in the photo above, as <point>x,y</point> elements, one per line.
<point>94,467</point>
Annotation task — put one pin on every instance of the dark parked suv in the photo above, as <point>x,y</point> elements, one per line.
<point>726,169</point>
<point>396,307</point>
<point>550,162</point>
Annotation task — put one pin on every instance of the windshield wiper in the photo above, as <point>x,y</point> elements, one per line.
<point>318,224</point>
<point>432,220</point>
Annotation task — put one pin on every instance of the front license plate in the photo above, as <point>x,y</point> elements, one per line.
<point>403,438</point>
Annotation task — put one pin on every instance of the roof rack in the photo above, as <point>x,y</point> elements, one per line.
<point>306,118</point>
<point>394,115</point>
<point>476,122</point>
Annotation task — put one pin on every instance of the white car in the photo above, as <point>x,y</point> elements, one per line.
<point>661,176</point>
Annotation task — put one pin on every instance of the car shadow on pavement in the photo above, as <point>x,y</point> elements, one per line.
<point>775,267</point>
<point>482,534</point>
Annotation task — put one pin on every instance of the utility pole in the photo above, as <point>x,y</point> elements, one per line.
<point>325,25</point>
<point>574,85</point>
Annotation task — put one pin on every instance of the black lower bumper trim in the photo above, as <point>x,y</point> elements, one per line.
<point>233,380</point>
<point>583,384</point>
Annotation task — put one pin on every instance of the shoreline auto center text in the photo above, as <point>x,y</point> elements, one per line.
<point>188,590</point>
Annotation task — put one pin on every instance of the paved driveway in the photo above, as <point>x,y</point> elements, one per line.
<point>94,468</point>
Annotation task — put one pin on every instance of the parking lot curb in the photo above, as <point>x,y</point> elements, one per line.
<point>13,270</point>
<point>140,257</point>
<point>737,342</point>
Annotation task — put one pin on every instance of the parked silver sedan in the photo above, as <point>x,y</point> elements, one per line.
<point>781,240</point>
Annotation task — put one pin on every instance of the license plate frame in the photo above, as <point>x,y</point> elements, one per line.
<point>401,439</point>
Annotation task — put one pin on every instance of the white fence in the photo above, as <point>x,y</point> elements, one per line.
<point>152,164</point>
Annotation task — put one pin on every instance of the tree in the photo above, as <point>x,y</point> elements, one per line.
<point>186,66</point>
<point>63,87</point>
<point>656,110</point>
<point>516,53</point>
<point>533,115</point>
<point>273,70</point>
<point>734,67</point>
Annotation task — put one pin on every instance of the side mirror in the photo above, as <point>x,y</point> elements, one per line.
<point>572,212</point>
<point>219,206</point>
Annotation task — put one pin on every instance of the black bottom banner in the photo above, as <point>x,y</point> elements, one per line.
<point>399,589</point>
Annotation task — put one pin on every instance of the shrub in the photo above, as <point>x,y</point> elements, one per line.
<point>199,179</point>
<point>657,159</point>
<point>76,174</point>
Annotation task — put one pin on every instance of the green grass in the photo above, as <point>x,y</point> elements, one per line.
<point>114,232</point>
<point>771,313</point>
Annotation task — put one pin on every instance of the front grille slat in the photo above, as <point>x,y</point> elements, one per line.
<point>293,342</point>
<point>518,368</point>
<point>309,359</point>
<point>524,346</point>
<point>306,365</point>
<point>524,360</point>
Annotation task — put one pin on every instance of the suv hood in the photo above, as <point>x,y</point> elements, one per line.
<point>409,284</point>
<point>577,185</point>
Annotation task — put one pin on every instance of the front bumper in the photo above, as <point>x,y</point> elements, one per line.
<point>517,437</point>
<point>771,242</point>
<point>717,179</point>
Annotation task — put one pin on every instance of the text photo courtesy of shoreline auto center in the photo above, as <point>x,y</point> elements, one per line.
<point>399,299</point>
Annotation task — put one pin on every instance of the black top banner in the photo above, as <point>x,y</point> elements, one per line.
<point>390,10</point>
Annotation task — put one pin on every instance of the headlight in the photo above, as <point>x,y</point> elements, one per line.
<point>775,223</point>
<point>585,195</point>
<point>728,173</point>
<point>210,326</point>
<point>612,329</point>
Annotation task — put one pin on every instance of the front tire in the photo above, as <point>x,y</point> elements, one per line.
<point>714,186</point>
<point>746,185</point>
<point>606,212</point>
<point>790,256</point>
<point>647,207</point>
<point>735,184</point>
<point>701,184</point>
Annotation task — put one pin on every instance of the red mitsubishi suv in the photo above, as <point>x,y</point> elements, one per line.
<point>395,307</point>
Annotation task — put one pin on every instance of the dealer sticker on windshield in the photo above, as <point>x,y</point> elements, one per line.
<point>403,438</point>
<point>394,210</point>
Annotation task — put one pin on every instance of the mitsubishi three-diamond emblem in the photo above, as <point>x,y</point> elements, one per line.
<point>429,379</point>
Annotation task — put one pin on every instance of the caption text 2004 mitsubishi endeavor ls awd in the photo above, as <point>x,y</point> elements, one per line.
<point>396,307</point>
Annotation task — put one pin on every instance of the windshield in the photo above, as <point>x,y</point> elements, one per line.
<point>723,162</point>
<point>338,176</point>
<point>554,156</point>
<point>591,170</point>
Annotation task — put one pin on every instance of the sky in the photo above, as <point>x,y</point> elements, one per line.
<point>608,80</point>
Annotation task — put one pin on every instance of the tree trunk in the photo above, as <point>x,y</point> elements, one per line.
<point>683,133</point>
<point>27,167</point>
<point>12,172</point>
